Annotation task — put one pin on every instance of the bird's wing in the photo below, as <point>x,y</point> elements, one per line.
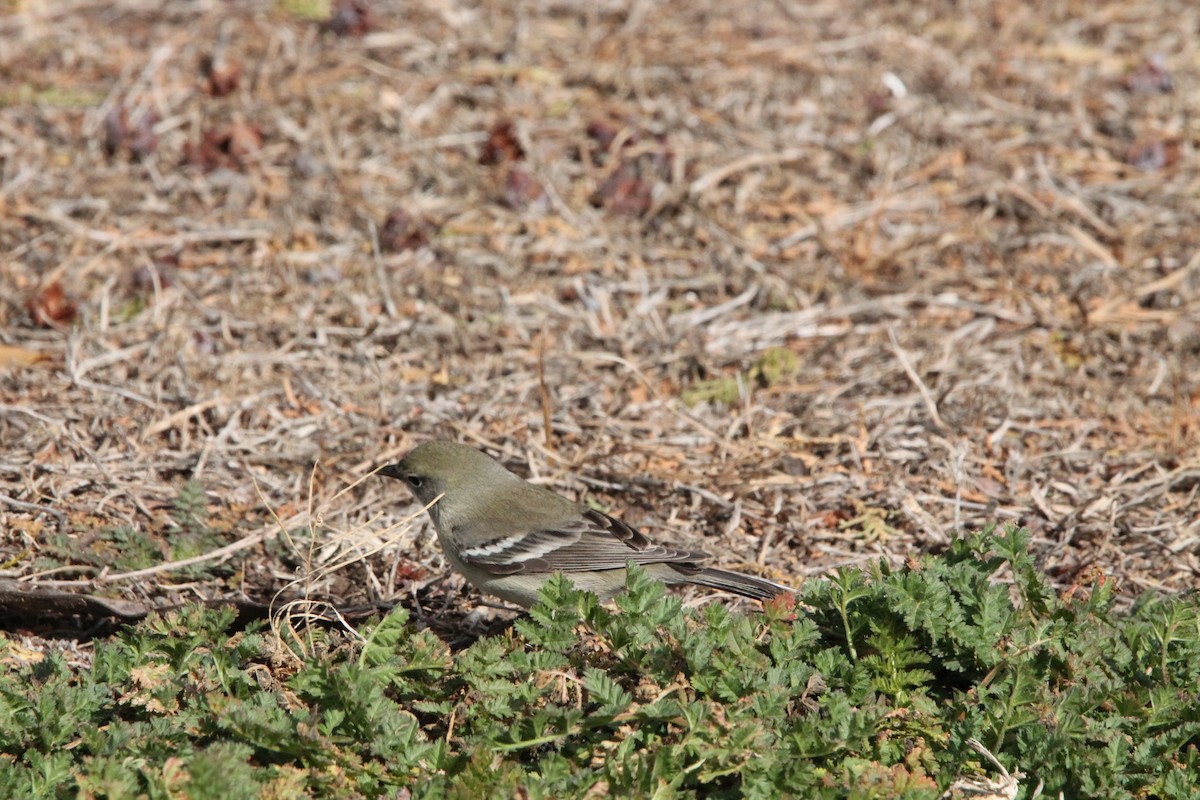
<point>592,541</point>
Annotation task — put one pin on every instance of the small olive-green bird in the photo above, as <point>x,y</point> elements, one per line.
<point>508,536</point>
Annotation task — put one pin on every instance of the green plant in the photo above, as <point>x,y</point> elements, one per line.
<point>868,687</point>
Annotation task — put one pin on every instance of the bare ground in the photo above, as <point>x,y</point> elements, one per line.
<point>803,284</point>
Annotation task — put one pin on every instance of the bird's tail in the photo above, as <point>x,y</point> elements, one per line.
<point>738,583</point>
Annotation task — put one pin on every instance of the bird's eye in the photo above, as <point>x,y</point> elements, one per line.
<point>414,481</point>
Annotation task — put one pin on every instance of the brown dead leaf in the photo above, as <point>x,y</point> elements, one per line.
<point>522,190</point>
<point>229,147</point>
<point>404,231</point>
<point>604,132</point>
<point>612,134</point>
<point>161,272</point>
<point>19,356</point>
<point>50,307</point>
<point>350,18</point>
<point>1151,77</point>
<point>133,134</point>
<point>638,394</point>
<point>501,145</point>
<point>1152,153</point>
<point>222,74</point>
<point>624,193</point>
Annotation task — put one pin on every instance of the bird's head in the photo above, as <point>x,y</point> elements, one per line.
<point>448,468</point>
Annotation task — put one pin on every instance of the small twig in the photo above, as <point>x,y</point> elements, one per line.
<point>703,316</point>
<point>714,178</point>
<point>1110,310</point>
<point>712,497</point>
<point>544,392</point>
<point>211,555</point>
<point>126,241</point>
<point>907,366</point>
<point>1004,789</point>
<point>84,383</point>
<point>381,277</point>
<point>34,508</point>
<point>179,417</point>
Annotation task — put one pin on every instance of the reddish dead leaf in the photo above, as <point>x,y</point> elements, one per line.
<point>115,125</point>
<point>1152,77</point>
<point>207,343</point>
<point>879,103</point>
<point>50,307</point>
<point>522,190</point>
<point>221,73</point>
<point>781,606</point>
<point>659,158</point>
<point>160,273</point>
<point>1153,153</point>
<point>604,132</point>
<point>501,145</point>
<point>833,518</point>
<point>643,158</point>
<point>650,154</point>
<point>410,571</point>
<point>243,140</point>
<point>144,140</point>
<point>350,18</point>
<point>613,136</point>
<point>138,138</point>
<point>402,231</point>
<point>1081,588</point>
<point>608,132</point>
<point>227,147</point>
<point>624,193</point>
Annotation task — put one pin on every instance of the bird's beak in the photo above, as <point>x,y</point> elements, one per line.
<point>391,471</point>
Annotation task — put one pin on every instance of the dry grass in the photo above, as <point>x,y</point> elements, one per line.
<point>940,261</point>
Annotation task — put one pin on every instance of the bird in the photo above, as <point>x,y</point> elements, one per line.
<point>507,536</point>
